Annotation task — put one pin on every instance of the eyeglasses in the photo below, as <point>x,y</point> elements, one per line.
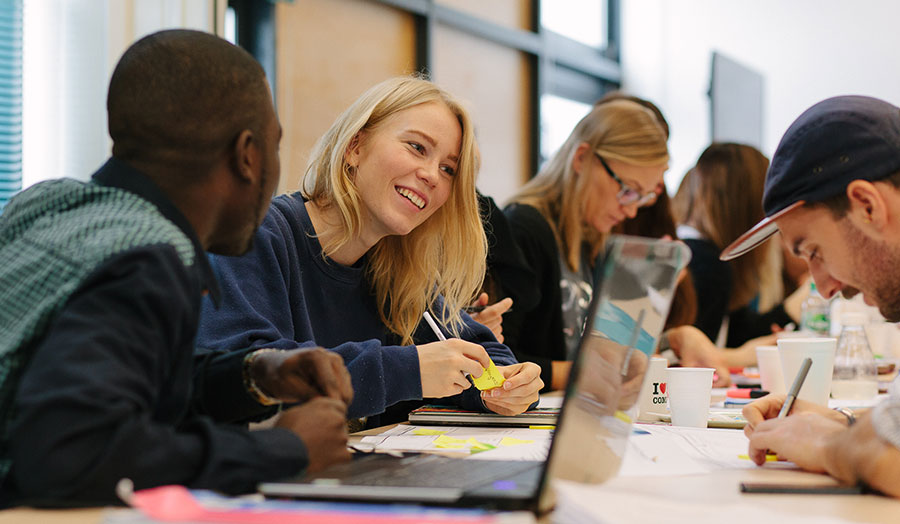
<point>627,195</point>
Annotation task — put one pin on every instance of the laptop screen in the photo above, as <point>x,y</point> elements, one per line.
<point>635,281</point>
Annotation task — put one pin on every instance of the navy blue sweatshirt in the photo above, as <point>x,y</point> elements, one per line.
<point>284,294</point>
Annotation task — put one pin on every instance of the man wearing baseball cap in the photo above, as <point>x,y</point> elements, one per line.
<point>833,191</point>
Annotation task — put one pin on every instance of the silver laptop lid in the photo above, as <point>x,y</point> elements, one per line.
<point>635,281</point>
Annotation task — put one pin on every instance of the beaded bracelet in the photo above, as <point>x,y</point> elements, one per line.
<point>254,390</point>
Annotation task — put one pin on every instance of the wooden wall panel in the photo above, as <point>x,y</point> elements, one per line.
<point>327,53</point>
<point>510,13</point>
<point>494,82</point>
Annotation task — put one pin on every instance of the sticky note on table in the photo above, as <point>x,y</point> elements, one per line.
<point>445,442</point>
<point>490,379</point>
<point>511,441</point>
<point>425,431</point>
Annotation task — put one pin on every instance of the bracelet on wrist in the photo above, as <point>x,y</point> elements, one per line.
<point>250,385</point>
<point>847,412</point>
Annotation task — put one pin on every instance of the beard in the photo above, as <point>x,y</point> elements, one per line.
<point>876,272</point>
<point>244,226</point>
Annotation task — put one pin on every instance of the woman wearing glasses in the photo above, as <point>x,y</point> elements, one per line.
<point>611,164</point>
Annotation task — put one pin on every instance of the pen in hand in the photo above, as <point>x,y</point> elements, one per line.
<point>433,325</point>
<point>795,388</point>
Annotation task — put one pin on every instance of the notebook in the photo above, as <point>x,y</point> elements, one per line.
<point>432,415</point>
<point>634,283</point>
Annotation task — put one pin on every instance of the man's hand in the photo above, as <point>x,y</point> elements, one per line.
<point>492,316</point>
<point>768,407</point>
<point>695,349</point>
<point>801,438</point>
<point>521,389</point>
<point>298,375</point>
<point>443,366</point>
<point>321,424</point>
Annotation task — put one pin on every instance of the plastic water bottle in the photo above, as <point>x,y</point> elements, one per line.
<point>855,373</point>
<point>815,313</point>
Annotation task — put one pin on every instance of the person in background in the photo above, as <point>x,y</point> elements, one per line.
<point>656,221</point>
<point>100,288</point>
<point>386,228</point>
<point>717,200</point>
<point>833,192</point>
<point>611,164</point>
<point>508,278</point>
<point>690,346</point>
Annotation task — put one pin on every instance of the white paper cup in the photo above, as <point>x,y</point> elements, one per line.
<point>652,398</point>
<point>769,362</point>
<point>689,391</point>
<point>817,386</point>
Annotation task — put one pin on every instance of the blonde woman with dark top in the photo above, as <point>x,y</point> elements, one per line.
<point>386,228</point>
<point>611,164</point>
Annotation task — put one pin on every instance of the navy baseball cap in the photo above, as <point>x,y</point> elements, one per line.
<point>831,144</point>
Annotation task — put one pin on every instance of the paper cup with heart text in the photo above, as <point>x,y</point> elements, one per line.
<point>652,399</point>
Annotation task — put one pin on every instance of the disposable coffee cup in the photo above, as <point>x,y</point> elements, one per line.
<point>689,390</point>
<point>768,361</point>
<point>817,386</point>
<point>652,399</point>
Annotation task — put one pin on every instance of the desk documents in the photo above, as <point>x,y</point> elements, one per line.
<point>475,442</point>
<point>672,450</point>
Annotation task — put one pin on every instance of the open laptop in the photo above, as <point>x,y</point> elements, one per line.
<point>634,283</point>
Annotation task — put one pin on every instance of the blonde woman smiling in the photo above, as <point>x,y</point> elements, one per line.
<point>386,227</point>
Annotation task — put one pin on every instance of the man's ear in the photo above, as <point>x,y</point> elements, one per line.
<point>868,206</point>
<point>582,156</point>
<point>246,157</point>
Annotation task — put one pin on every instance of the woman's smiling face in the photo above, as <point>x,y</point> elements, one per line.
<point>404,168</point>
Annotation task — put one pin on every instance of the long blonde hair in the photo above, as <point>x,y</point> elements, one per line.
<point>623,130</point>
<point>721,197</point>
<point>446,254</point>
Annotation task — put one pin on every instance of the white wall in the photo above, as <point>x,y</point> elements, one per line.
<point>70,50</point>
<point>807,50</point>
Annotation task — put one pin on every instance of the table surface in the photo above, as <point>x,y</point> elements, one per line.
<point>711,497</point>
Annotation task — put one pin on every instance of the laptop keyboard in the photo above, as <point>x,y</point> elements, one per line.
<point>427,471</point>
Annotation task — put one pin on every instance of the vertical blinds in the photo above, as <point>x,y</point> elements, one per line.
<point>10,99</point>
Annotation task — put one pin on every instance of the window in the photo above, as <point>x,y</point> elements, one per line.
<point>558,117</point>
<point>10,99</point>
<point>584,21</point>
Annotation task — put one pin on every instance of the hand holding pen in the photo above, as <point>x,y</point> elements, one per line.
<point>521,383</point>
<point>443,365</point>
<point>795,388</point>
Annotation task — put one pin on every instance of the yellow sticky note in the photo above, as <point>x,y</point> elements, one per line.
<point>423,431</point>
<point>477,446</point>
<point>510,441</point>
<point>490,379</point>
<point>445,442</point>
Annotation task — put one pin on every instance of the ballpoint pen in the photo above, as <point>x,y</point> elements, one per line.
<point>795,388</point>
<point>434,326</point>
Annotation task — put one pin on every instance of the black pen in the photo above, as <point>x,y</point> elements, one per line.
<point>795,388</point>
